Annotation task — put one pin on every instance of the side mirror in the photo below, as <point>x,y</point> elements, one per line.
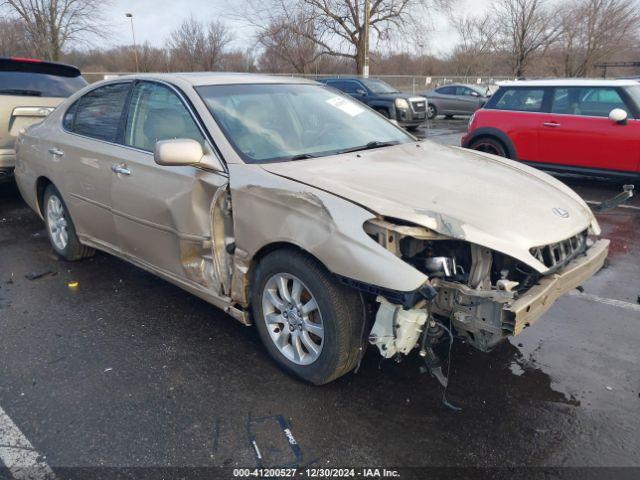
<point>618,115</point>
<point>181,151</point>
<point>361,93</point>
<point>474,94</point>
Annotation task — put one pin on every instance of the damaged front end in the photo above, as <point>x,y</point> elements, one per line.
<point>484,295</point>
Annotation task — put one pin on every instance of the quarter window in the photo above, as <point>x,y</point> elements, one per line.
<point>156,113</point>
<point>521,99</point>
<point>98,112</point>
<point>587,101</point>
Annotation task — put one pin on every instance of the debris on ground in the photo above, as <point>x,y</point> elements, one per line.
<point>107,369</point>
<point>36,275</point>
<point>73,284</point>
<point>607,387</point>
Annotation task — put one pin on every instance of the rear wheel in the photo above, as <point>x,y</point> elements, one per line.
<point>60,228</point>
<point>489,145</point>
<point>309,323</point>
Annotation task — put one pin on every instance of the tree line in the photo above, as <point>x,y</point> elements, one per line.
<point>512,38</point>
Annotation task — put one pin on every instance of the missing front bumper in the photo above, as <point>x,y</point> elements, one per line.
<point>532,305</point>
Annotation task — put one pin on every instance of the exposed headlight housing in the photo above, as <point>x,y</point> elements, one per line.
<point>402,104</point>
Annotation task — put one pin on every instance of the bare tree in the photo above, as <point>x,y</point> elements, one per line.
<point>52,24</point>
<point>14,39</point>
<point>340,24</point>
<point>196,46</point>
<point>527,28</point>
<point>285,50</point>
<point>476,52</point>
<point>595,30</point>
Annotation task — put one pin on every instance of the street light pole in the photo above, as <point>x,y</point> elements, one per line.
<point>367,11</point>
<point>135,47</point>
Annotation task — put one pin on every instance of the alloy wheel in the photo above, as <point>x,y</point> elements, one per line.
<point>57,223</point>
<point>293,318</point>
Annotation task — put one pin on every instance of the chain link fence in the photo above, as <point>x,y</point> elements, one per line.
<point>414,84</point>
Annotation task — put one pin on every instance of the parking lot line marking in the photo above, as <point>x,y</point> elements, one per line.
<point>606,301</point>
<point>632,207</point>
<point>18,455</point>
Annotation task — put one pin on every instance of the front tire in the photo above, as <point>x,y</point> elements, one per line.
<point>309,323</point>
<point>60,229</point>
<point>489,145</point>
<point>432,112</point>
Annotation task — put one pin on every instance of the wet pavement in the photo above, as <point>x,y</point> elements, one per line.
<point>128,370</point>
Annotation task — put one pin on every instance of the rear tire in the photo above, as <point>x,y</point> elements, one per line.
<point>489,145</point>
<point>60,229</point>
<point>317,344</point>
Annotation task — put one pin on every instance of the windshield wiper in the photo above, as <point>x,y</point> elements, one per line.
<point>302,156</point>
<point>370,146</point>
<point>18,91</point>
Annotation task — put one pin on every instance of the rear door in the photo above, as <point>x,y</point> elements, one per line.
<point>162,213</point>
<point>85,150</point>
<point>578,133</point>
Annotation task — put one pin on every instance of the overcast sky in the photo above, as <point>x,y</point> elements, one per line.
<point>155,19</point>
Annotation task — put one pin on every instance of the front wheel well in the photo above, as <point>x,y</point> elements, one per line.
<point>272,247</point>
<point>486,136</point>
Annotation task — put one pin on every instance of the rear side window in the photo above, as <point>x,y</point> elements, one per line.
<point>587,101</point>
<point>97,114</point>
<point>39,85</point>
<point>521,99</point>
<point>156,113</point>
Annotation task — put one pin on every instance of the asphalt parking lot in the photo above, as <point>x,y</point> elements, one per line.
<point>126,370</point>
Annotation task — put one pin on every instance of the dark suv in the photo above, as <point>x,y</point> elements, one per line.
<point>29,90</point>
<point>407,110</point>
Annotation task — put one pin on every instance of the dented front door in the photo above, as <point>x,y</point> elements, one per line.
<point>163,213</point>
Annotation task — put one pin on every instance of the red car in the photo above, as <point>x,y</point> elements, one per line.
<point>589,127</point>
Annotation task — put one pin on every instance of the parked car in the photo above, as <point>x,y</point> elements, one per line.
<point>455,99</point>
<point>297,209</point>
<point>587,127</point>
<point>29,91</point>
<point>409,111</point>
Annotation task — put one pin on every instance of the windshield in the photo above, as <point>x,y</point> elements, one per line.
<point>634,93</point>
<point>275,122</point>
<point>378,86</point>
<point>39,84</point>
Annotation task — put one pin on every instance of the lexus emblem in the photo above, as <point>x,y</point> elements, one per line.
<point>560,212</point>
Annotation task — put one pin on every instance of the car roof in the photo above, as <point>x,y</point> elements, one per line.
<point>568,82</point>
<point>218,78</point>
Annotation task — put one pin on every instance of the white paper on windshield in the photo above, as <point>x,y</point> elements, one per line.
<point>347,106</point>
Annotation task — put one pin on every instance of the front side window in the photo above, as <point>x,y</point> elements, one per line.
<point>280,122</point>
<point>157,113</point>
<point>346,86</point>
<point>587,101</point>
<point>98,113</point>
<point>521,99</point>
<point>378,86</point>
<point>447,90</point>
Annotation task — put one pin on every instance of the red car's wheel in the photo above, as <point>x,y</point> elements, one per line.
<point>489,145</point>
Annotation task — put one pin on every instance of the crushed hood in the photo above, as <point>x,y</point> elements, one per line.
<point>487,200</point>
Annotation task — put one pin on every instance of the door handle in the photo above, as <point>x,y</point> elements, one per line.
<point>55,151</point>
<point>551,124</point>
<point>120,168</point>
